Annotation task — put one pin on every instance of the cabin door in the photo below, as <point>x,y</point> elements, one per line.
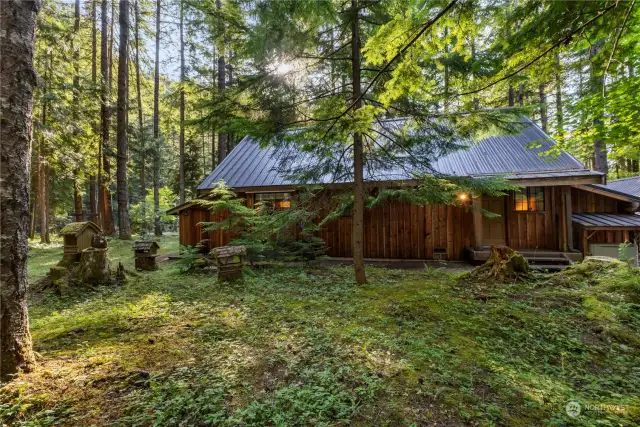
<point>493,228</point>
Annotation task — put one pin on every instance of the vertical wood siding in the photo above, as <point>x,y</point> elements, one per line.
<point>587,202</point>
<point>535,230</point>
<point>404,231</point>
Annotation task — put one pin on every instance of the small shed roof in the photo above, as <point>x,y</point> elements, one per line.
<point>144,245</point>
<point>225,251</point>
<point>607,220</point>
<point>629,187</point>
<point>75,228</point>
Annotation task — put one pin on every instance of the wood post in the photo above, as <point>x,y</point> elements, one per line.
<point>566,221</point>
<point>477,222</point>
<point>585,242</point>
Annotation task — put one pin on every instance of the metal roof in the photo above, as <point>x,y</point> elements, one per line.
<point>612,220</point>
<point>517,156</point>
<point>625,186</point>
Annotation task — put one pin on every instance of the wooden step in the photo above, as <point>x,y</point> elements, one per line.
<point>547,260</point>
<point>550,267</point>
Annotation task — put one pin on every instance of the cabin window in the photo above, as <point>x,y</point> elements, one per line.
<point>531,199</point>
<point>276,200</point>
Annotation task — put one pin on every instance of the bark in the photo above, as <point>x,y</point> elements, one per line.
<point>182,101</point>
<point>543,107</point>
<point>358,155</point>
<point>124,225</point>
<point>512,97</point>
<point>143,190</point>
<point>17,83</point>
<point>105,114</point>
<point>597,82</point>
<point>559,113</point>
<point>222,137</point>
<point>157,226</point>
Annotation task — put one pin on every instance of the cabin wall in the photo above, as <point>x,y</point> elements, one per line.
<point>535,230</point>
<point>191,233</point>
<point>404,231</point>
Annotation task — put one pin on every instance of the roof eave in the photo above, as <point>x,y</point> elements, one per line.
<point>608,192</point>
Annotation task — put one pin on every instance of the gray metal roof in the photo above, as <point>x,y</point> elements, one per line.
<point>249,165</point>
<point>613,220</point>
<point>625,186</point>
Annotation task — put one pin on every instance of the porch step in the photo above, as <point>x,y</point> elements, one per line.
<point>550,267</point>
<point>547,260</point>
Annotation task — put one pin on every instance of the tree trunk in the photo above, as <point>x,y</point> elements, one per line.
<point>17,83</point>
<point>157,226</point>
<point>34,210</point>
<point>521,95</point>
<point>77,200</point>
<point>559,114</point>
<point>47,201</point>
<point>222,137</point>
<point>358,155</point>
<point>94,180</point>
<point>182,101</point>
<point>42,180</point>
<point>143,190</point>
<point>543,107</point>
<point>597,82</point>
<point>124,226</point>
<point>77,196</point>
<point>105,114</point>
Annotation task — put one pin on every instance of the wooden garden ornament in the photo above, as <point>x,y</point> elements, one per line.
<point>145,255</point>
<point>230,260</point>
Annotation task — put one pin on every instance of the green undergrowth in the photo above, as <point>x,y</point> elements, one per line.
<point>306,346</point>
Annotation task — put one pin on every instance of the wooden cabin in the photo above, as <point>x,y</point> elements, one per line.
<point>77,237</point>
<point>538,221</point>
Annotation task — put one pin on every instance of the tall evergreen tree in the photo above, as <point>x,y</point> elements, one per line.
<point>17,83</point>
<point>124,224</point>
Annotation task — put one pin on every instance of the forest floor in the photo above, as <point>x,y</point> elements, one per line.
<point>306,346</point>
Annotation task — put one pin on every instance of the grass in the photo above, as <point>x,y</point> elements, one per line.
<point>306,346</point>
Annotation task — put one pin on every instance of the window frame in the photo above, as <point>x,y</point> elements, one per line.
<point>527,196</point>
<point>274,199</point>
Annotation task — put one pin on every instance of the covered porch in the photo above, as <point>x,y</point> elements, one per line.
<point>598,233</point>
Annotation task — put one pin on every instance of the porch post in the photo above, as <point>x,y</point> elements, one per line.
<point>477,222</point>
<point>569,218</point>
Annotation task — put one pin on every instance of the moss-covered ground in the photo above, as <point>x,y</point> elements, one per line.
<point>306,346</point>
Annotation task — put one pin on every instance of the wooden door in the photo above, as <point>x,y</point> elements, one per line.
<point>493,228</point>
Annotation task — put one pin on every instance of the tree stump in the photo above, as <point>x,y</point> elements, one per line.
<point>95,267</point>
<point>503,265</point>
